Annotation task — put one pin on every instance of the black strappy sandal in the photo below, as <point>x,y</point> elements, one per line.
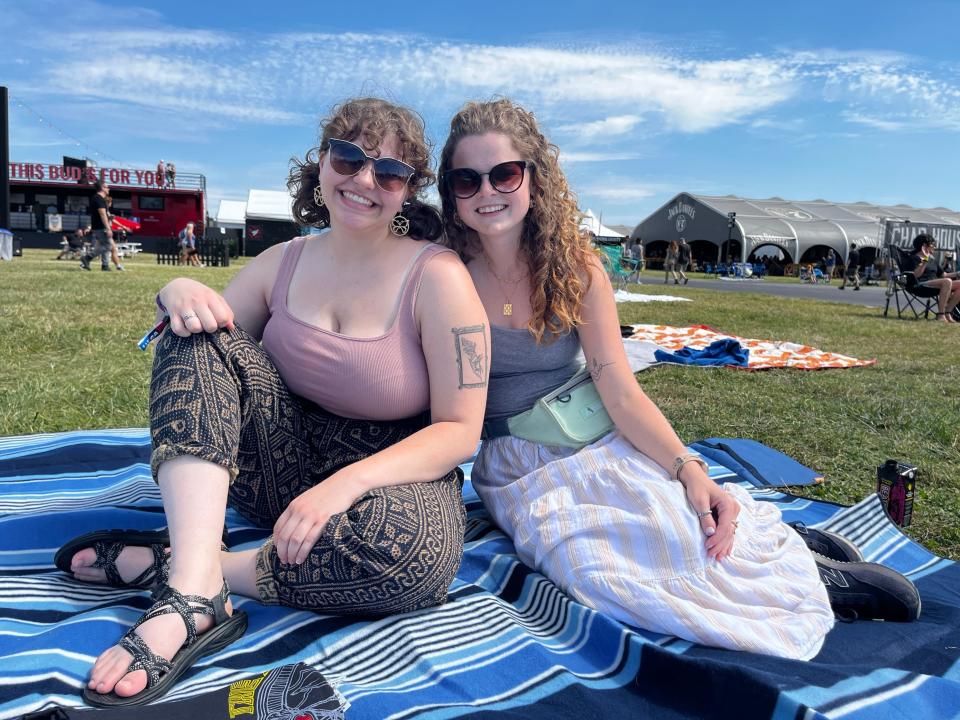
<point>162,673</point>
<point>108,544</point>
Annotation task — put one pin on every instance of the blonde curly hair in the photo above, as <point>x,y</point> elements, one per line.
<point>557,253</point>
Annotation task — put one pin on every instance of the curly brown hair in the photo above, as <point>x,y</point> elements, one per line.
<point>556,252</point>
<point>369,119</point>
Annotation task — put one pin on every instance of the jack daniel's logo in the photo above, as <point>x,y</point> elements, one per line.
<point>681,211</point>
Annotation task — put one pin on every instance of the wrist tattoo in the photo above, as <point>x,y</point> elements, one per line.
<point>596,369</point>
<point>471,343</point>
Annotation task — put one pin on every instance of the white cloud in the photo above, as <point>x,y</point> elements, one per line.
<point>606,129</point>
<point>567,158</point>
<point>618,190</point>
<point>588,94</point>
<point>874,122</point>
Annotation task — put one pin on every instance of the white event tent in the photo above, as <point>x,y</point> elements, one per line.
<point>592,223</point>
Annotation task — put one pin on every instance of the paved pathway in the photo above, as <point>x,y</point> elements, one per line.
<point>870,296</point>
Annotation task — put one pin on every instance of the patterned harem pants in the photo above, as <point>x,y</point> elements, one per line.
<point>219,397</point>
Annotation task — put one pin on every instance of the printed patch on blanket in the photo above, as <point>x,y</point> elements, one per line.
<point>764,354</point>
<point>288,692</point>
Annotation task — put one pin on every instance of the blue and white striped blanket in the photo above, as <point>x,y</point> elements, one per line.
<point>507,642</point>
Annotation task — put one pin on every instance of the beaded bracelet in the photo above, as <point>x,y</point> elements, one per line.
<point>681,460</point>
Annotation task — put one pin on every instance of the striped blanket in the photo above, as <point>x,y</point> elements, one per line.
<point>508,642</point>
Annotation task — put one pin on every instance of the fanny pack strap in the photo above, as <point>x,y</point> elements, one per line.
<point>495,428</point>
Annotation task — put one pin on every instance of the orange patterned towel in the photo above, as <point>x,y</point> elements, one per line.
<point>764,354</point>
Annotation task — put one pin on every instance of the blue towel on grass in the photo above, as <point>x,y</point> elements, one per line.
<point>718,353</point>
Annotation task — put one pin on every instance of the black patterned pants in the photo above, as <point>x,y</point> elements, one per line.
<point>218,397</point>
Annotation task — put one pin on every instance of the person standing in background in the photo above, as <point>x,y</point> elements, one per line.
<point>830,264</point>
<point>161,172</point>
<point>171,175</point>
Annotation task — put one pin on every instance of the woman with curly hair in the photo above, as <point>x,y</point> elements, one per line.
<point>328,394</point>
<point>630,523</point>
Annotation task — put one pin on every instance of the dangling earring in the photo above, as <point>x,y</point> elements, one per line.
<point>318,196</point>
<point>400,225</point>
<point>456,219</point>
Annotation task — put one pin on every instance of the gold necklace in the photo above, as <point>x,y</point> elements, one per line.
<point>508,305</point>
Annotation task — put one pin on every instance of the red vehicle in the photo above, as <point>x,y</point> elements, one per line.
<point>49,200</point>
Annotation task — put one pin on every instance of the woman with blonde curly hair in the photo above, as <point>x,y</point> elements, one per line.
<point>328,395</point>
<point>628,523</point>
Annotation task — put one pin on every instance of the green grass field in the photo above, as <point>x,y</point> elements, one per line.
<point>69,360</point>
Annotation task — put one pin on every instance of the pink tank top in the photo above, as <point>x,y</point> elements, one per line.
<point>377,378</point>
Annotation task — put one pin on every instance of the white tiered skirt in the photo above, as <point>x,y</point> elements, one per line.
<point>610,528</point>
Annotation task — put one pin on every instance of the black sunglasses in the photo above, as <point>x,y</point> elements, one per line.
<point>389,173</point>
<point>507,177</point>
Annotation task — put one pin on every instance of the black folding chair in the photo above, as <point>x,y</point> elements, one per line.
<point>906,290</point>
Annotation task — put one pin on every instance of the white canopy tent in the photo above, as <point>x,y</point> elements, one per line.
<point>591,223</point>
<point>269,205</point>
<point>232,214</point>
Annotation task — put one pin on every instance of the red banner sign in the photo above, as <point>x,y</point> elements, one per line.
<point>40,172</point>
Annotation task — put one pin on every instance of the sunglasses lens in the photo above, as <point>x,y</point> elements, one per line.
<point>464,182</point>
<point>391,174</point>
<point>506,177</point>
<point>346,158</point>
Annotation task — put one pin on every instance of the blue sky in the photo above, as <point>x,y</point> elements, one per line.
<point>844,101</point>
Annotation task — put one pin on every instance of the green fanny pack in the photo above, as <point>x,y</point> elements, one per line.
<point>573,415</point>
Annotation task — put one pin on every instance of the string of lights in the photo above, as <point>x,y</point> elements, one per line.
<point>92,152</point>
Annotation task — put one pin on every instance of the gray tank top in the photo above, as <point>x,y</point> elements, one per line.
<point>521,372</point>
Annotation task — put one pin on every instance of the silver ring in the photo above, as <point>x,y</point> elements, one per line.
<point>705,513</point>
<point>188,316</point>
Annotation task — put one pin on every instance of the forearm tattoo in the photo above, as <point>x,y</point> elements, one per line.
<point>471,344</point>
<point>596,369</point>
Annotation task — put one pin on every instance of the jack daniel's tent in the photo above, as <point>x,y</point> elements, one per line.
<point>802,231</point>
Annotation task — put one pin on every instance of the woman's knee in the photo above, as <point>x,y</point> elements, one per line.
<point>396,550</point>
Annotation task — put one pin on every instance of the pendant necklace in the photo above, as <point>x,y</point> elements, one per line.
<point>508,305</point>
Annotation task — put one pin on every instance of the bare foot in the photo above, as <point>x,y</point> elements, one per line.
<point>132,561</point>
<point>164,635</point>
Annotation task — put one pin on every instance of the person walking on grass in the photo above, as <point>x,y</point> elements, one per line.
<point>114,251</point>
<point>670,263</point>
<point>189,255</point>
<point>683,260</point>
<point>852,271</point>
<point>100,226</point>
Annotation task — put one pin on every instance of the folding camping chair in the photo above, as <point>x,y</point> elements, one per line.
<point>620,269</point>
<point>906,291</point>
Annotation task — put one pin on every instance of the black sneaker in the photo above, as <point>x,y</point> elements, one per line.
<point>828,544</point>
<point>105,268</point>
<point>868,591</point>
<point>85,264</point>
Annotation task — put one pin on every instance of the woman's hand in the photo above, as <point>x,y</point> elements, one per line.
<point>195,308</point>
<point>302,523</point>
<point>721,524</point>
